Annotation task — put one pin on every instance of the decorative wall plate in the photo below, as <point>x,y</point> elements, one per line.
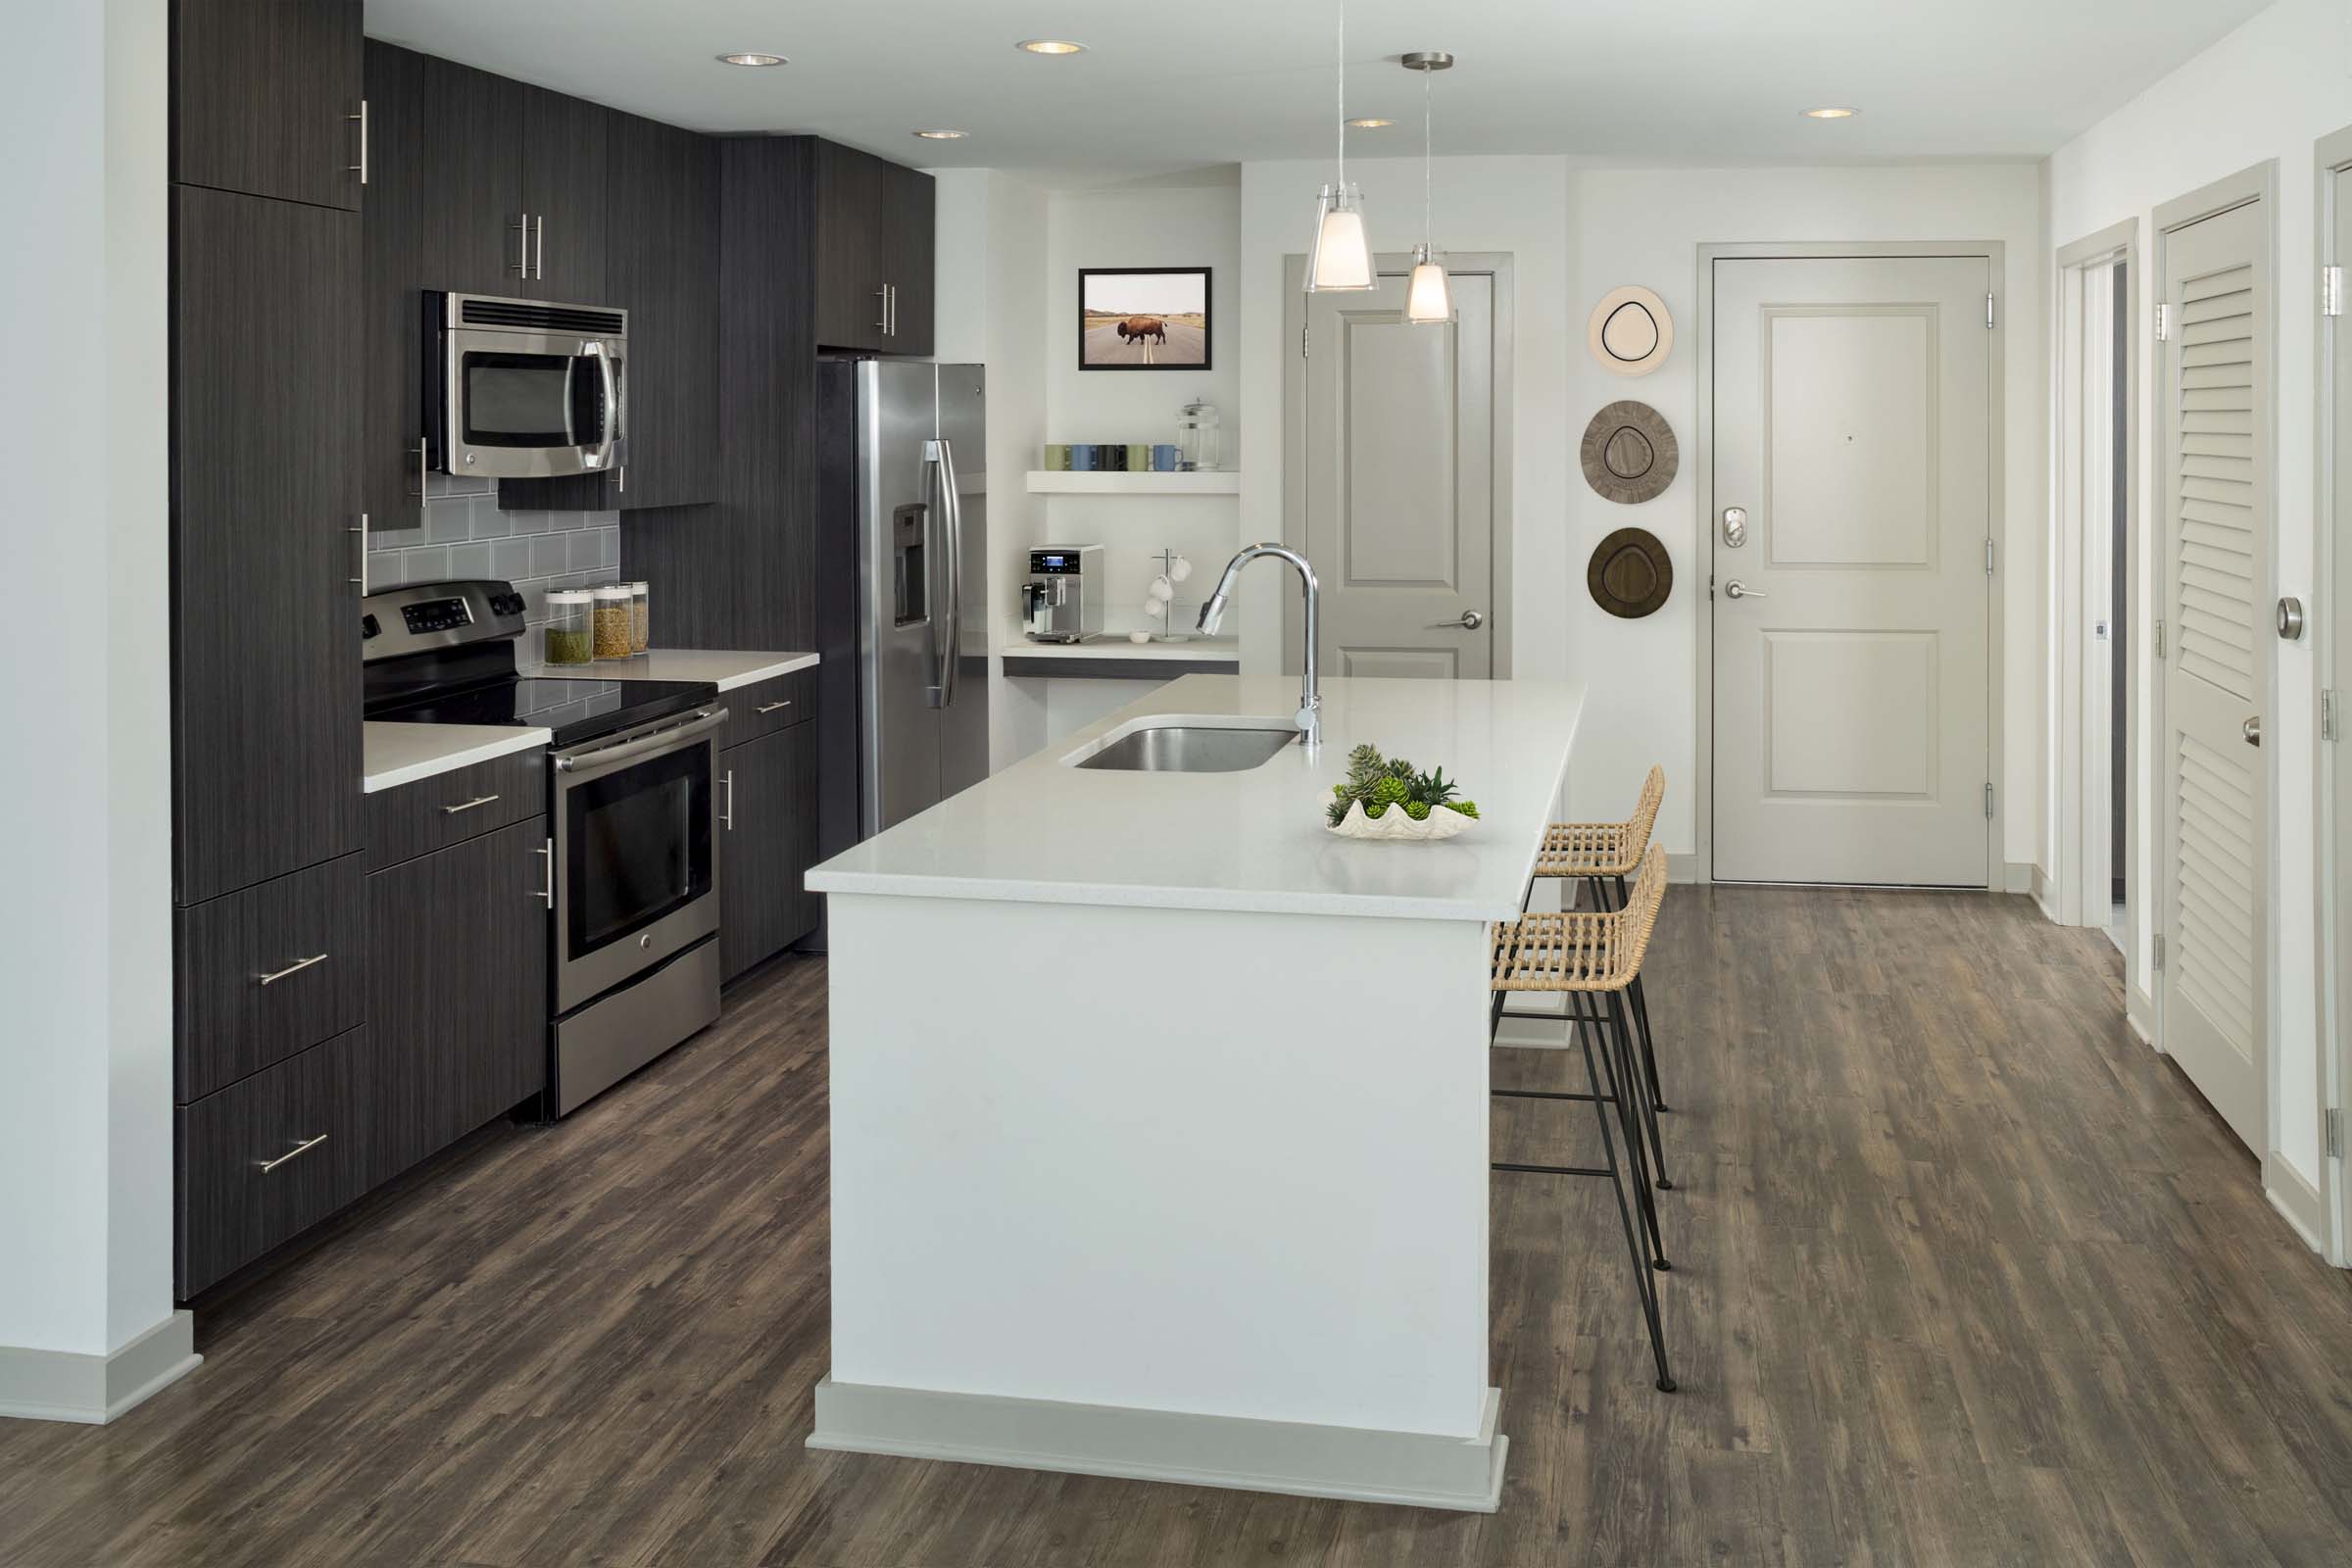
<point>1629,575</point>
<point>1630,453</point>
<point>1630,330</point>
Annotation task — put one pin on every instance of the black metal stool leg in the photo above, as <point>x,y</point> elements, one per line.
<point>1649,1048</point>
<point>1616,1067</point>
<point>1646,1091</point>
<point>1644,1287</point>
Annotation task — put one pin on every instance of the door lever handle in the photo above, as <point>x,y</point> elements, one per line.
<point>1735,589</point>
<point>1469,620</point>
<point>2251,730</point>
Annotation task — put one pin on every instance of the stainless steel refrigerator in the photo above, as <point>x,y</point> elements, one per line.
<point>904,570</point>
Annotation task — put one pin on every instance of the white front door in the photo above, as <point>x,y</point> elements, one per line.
<point>2213,410</point>
<point>1851,619</point>
<point>1394,490</point>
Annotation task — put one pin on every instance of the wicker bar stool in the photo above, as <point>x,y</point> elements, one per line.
<point>1602,854</point>
<point>1592,959</point>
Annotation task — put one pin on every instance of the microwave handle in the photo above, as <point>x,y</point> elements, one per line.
<point>609,377</point>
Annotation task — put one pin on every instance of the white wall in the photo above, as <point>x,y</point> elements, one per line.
<point>85,1052</point>
<point>2268,90</point>
<point>1575,232</point>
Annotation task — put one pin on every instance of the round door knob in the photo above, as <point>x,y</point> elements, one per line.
<point>1735,589</point>
<point>2251,730</point>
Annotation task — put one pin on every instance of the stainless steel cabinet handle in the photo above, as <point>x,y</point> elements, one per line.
<point>548,893</point>
<point>729,816</point>
<point>539,263</point>
<point>1469,620</point>
<point>1735,589</point>
<point>2251,730</point>
<point>291,969</point>
<point>769,707</point>
<point>522,245</point>
<point>361,581</point>
<point>883,326</point>
<point>302,1148</point>
<point>894,309</point>
<point>360,167</point>
<point>468,805</point>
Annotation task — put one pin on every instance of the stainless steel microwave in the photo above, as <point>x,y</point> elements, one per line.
<point>524,390</point>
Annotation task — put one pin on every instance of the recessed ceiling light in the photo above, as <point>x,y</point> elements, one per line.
<point>942,136</point>
<point>1831,114</point>
<point>1051,46</point>
<point>1370,123</point>
<point>755,60</point>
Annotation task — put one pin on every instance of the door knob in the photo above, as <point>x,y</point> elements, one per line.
<point>2251,730</point>
<point>1470,620</point>
<point>1735,589</point>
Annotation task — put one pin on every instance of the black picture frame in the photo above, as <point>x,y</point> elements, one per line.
<point>1147,352</point>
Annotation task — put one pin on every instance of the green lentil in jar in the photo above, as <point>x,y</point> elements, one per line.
<point>567,646</point>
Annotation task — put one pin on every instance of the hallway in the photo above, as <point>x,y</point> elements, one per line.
<point>1963,1274</point>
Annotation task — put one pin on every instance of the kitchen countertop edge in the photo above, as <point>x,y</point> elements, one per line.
<point>726,669</point>
<point>396,754</point>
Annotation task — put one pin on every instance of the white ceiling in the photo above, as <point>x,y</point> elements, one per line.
<point>1167,86</point>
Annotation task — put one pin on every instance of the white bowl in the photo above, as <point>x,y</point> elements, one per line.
<point>1442,822</point>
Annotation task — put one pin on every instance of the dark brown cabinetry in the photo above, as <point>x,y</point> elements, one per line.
<point>268,972</point>
<point>874,225</point>
<point>457,993</point>
<point>265,98</point>
<point>767,843</point>
<point>266,647</point>
<point>451,807</point>
<point>565,193</point>
<point>660,264</point>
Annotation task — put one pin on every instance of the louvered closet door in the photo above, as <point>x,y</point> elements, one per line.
<point>2214,413</point>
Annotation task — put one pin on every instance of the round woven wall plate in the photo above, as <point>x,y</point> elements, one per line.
<point>1629,332</point>
<point>1629,575</point>
<point>1630,453</point>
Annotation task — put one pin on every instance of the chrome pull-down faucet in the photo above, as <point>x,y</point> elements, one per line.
<point>1310,693</point>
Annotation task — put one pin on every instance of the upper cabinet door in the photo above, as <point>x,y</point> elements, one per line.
<point>265,634</point>
<point>852,272</point>
<point>910,229</point>
<point>566,191</point>
<point>265,98</point>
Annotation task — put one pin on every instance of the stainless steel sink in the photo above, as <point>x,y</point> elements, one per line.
<point>1189,749</point>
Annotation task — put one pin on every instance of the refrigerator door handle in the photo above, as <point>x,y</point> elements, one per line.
<point>940,455</point>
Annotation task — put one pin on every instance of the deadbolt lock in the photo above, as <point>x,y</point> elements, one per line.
<point>2290,619</point>
<point>1735,527</point>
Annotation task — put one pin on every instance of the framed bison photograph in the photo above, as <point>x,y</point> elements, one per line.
<point>1143,318</point>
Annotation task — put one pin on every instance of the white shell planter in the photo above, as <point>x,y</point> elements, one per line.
<point>1394,825</point>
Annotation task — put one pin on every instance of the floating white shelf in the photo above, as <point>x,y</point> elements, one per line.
<point>1113,483</point>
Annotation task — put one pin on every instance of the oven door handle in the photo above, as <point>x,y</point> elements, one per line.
<point>670,739</point>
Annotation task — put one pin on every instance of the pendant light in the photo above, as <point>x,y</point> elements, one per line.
<point>1429,297</point>
<point>1341,259</point>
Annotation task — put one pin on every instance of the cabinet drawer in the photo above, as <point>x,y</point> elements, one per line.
<point>268,1157</point>
<point>451,807</point>
<point>267,971</point>
<point>769,707</point>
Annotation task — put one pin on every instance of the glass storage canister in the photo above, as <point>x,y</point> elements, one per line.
<point>570,640</point>
<point>1197,436</point>
<point>612,622</point>
<point>641,617</point>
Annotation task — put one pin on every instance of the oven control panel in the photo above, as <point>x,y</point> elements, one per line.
<point>439,616</point>
<point>436,615</point>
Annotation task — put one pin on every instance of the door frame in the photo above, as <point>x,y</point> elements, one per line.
<point>2331,623</point>
<point>1995,253</point>
<point>2257,183</point>
<point>1495,264</point>
<point>2082,816</point>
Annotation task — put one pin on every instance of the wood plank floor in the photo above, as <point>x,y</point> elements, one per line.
<point>1964,1275</point>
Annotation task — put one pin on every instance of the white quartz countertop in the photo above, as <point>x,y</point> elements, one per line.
<point>1042,832</point>
<point>1118,647</point>
<point>402,754</point>
<point>727,668</point>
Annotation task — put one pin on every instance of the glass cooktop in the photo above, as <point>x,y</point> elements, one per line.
<point>576,709</point>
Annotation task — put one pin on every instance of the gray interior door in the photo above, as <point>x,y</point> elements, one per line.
<point>1851,620</point>
<point>1396,492</point>
<point>2214,684</point>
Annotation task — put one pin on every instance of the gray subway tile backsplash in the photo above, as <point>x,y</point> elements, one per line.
<point>461,533</point>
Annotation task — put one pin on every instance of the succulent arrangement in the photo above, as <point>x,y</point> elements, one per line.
<point>1382,784</point>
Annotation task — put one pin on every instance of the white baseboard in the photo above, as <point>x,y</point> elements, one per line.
<point>2016,876</point>
<point>1420,1470</point>
<point>2044,894</point>
<point>2294,1197</point>
<point>1682,868</point>
<point>62,1385</point>
<point>2139,1012</point>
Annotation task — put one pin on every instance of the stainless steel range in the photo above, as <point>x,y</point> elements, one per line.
<point>632,893</point>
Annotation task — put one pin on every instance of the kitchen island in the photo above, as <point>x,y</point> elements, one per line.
<point>1159,1113</point>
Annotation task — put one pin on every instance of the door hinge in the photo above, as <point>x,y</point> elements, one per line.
<point>1302,342</point>
<point>2331,291</point>
<point>1987,558</point>
<point>2164,321</point>
<point>2160,639</point>
<point>2328,722</point>
<point>1987,802</point>
<point>1989,317</point>
<point>2156,961</point>
<point>2335,1132</point>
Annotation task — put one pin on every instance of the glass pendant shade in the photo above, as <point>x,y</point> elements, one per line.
<point>1429,296</point>
<point>1342,258</point>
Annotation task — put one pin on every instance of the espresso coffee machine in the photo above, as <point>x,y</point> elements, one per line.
<point>1062,600</point>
